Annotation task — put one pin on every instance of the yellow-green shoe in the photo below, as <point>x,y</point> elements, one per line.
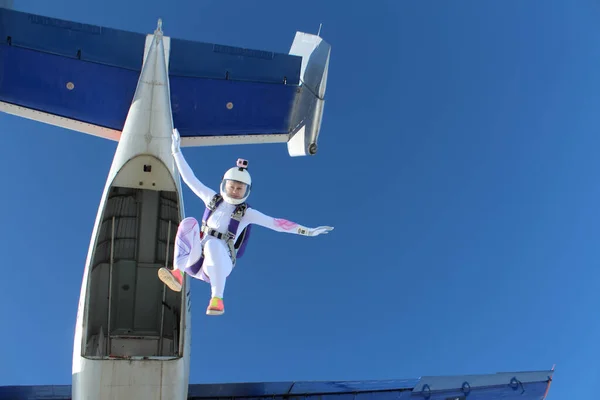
<point>215,306</point>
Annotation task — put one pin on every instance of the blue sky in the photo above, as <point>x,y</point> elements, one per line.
<point>465,134</point>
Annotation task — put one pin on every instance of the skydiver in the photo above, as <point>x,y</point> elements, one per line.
<point>209,251</point>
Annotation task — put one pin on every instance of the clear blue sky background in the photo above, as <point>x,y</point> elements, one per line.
<point>464,133</point>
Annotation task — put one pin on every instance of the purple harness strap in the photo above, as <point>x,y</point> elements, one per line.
<point>195,267</point>
<point>240,244</point>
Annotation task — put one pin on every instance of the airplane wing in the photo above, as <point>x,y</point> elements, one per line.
<point>530,385</point>
<point>83,77</point>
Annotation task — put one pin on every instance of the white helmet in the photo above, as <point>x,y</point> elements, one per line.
<point>236,183</point>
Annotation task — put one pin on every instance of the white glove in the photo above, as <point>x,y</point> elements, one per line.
<point>319,230</point>
<point>176,141</point>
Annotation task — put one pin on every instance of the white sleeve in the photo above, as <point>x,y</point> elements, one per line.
<point>277,224</point>
<point>187,175</point>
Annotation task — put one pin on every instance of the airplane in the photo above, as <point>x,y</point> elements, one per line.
<point>133,336</point>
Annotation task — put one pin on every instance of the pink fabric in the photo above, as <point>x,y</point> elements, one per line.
<point>285,224</point>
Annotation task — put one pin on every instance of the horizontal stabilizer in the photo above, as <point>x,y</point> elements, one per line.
<point>83,77</point>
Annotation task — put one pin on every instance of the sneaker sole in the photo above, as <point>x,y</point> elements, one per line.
<point>169,280</point>
<point>214,312</point>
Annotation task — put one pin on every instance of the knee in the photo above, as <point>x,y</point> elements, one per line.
<point>188,221</point>
<point>187,224</point>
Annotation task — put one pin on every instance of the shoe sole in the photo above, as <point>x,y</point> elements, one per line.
<point>214,312</point>
<point>169,280</point>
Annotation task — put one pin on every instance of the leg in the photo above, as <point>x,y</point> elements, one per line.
<point>187,244</point>
<point>217,266</point>
<point>188,250</point>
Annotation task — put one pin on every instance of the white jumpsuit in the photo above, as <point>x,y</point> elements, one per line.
<point>217,264</point>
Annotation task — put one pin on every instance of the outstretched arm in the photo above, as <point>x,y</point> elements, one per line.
<point>187,175</point>
<point>282,225</point>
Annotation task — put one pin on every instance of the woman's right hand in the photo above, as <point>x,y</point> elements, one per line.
<point>176,141</point>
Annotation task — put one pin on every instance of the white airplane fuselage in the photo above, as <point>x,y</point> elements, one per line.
<point>132,337</point>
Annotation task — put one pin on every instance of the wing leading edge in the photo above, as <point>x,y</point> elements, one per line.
<point>83,77</point>
<point>532,385</point>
